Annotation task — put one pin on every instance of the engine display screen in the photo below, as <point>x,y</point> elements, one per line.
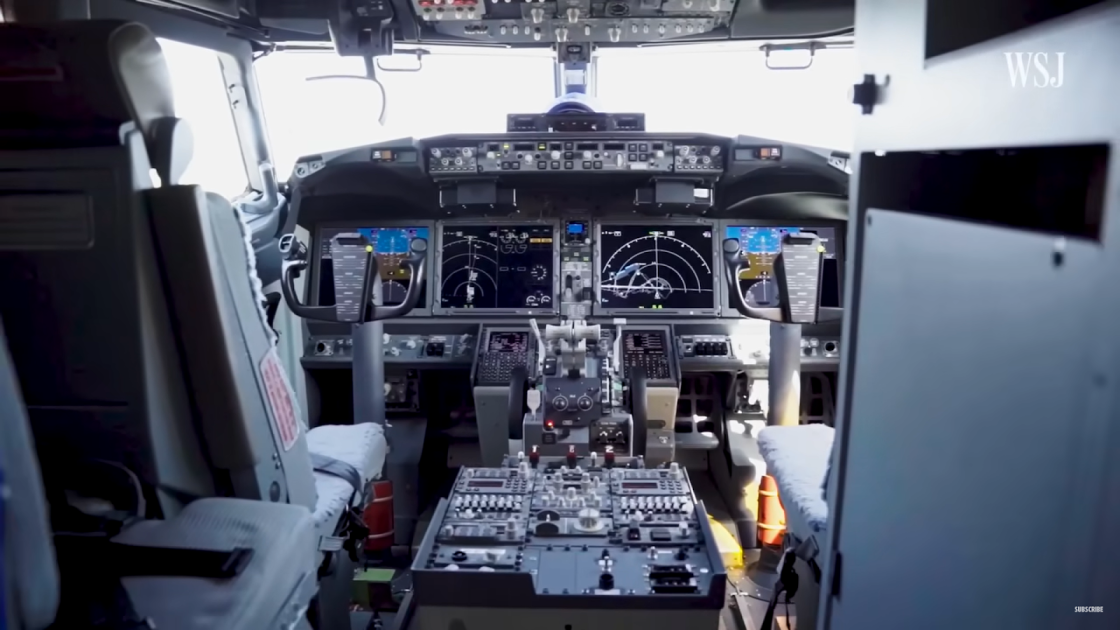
<point>761,245</point>
<point>656,268</point>
<point>338,284</point>
<point>508,342</point>
<point>506,267</point>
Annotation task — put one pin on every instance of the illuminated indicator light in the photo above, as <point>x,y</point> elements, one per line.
<point>820,249</point>
<point>549,424</point>
<point>369,248</point>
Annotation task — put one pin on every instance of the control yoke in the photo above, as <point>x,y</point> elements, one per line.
<point>797,272</point>
<point>365,318</point>
<point>294,253</point>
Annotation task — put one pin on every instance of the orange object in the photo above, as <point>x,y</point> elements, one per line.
<point>378,516</point>
<point>771,514</point>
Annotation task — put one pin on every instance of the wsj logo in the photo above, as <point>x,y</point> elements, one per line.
<point>1036,69</point>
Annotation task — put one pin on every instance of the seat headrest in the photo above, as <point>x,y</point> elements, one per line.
<point>76,83</point>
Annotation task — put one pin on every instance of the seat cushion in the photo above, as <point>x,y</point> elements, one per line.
<point>274,589</point>
<point>363,446</point>
<point>798,459</point>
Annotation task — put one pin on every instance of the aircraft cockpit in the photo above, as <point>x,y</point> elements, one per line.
<point>596,296</point>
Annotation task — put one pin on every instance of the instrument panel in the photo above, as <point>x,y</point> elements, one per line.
<point>577,268</point>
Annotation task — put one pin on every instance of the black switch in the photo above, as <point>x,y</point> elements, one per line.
<point>542,165</point>
<point>606,582</point>
<point>568,165</point>
<point>556,165</point>
<point>587,165</point>
<point>598,165</point>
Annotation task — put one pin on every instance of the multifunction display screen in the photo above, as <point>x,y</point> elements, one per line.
<point>654,268</point>
<point>340,281</point>
<point>761,245</point>
<point>506,267</point>
<point>508,342</point>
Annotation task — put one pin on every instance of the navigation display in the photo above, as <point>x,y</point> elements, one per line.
<point>390,246</point>
<point>763,244</point>
<point>656,268</point>
<point>497,267</point>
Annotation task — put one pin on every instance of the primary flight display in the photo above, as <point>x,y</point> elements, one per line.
<point>508,267</point>
<point>656,268</point>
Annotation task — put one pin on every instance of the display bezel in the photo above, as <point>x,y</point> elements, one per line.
<point>421,310</point>
<point>439,309</point>
<point>717,285</point>
<point>841,236</point>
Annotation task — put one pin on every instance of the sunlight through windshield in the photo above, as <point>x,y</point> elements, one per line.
<point>728,90</point>
<point>465,92</point>
<point>722,89</point>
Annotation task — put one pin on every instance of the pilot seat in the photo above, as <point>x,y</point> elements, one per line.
<point>137,329</point>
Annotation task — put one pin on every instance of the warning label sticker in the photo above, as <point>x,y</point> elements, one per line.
<point>281,400</point>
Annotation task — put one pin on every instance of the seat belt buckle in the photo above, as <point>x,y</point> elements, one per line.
<point>356,533</point>
<point>787,573</point>
<point>331,544</point>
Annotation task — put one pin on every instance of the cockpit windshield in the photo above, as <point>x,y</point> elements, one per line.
<point>724,89</point>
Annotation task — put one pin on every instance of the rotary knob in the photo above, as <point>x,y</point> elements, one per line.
<point>560,403</point>
<point>585,403</point>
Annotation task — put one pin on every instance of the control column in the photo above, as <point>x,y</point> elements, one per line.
<point>797,270</point>
<point>357,280</point>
